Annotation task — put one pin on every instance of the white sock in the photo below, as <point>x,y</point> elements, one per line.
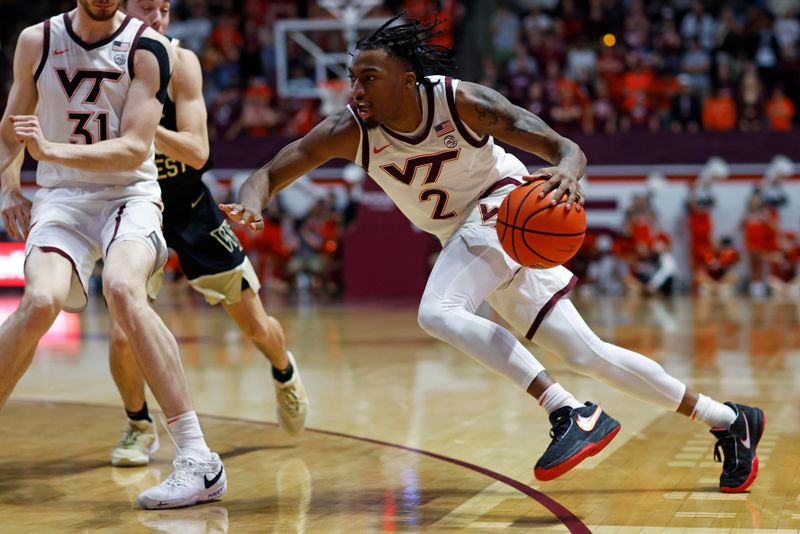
<point>713,413</point>
<point>556,397</point>
<point>185,430</point>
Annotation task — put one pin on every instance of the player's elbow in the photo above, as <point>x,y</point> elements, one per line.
<point>135,154</point>
<point>198,157</point>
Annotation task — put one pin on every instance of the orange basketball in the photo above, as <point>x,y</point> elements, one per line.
<point>536,234</point>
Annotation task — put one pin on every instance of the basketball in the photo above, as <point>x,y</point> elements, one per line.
<point>536,234</point>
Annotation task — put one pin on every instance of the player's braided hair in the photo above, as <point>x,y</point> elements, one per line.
<point>407,42</point>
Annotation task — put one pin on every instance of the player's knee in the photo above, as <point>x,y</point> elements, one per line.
<point>40,307</point>
<point>580,362</point>
<point>432,321</point>
<point>584,358</point>
<point>120,293</point>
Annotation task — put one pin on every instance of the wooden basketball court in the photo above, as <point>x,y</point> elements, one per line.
<point>407,434</point>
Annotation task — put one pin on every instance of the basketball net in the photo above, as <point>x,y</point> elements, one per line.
<point>349,12</point>
<point>335,94</point>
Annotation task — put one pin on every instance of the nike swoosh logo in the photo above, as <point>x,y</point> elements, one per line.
<point>746,442</point>
<point>210,482</point>
<point>587,424</point>
<point>59,52</point>
<point>196,202</point>
<point>376,150</point>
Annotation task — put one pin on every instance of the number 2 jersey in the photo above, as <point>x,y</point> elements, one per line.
<point>437,174</point>
<point>82,89</point>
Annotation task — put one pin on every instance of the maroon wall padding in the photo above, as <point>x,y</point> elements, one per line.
<point>383,255</point>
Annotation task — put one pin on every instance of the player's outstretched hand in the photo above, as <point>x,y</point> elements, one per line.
<point>563,182</point>
<point>28,131</point>
<point>242,215</point>
<point>16,214</point>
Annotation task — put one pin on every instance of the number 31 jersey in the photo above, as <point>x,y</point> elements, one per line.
<point>437,174</point>
<point>82,92</point>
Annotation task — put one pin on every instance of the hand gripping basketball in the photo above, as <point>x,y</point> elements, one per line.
<point>536,233</point>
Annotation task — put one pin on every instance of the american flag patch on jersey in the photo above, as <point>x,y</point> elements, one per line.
<point>119,46</point>
<point>443,128</point>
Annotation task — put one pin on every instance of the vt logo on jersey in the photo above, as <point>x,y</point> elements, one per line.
<point>97,77</point>
<point>435,162</point>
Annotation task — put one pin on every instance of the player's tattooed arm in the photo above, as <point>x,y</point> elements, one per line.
<point>335,137</point>
<point>487,112</point>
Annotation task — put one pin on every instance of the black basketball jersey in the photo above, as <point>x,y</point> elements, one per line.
<point>176,178</point>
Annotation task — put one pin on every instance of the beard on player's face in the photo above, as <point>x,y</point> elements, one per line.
<point>99,10</point>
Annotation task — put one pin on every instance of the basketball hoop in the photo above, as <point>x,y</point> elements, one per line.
<point>335,94</point>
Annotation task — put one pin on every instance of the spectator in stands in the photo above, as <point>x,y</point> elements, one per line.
<point>306,265</point>
<point>537,102</point>
<point>270,249</point>
<point>567,111</point>
<point>716,275</point>
<point>699,26</point>
<point>696,62</point>
<point>223,113</point>
<point>667,42</point>
<point>522,70</point>
<point>638,114</point>
<point>719,111</point>
<point>505,25</point>
<point>601,114</point>
<point>751,94</point>
<point>257,117</point>
<point>685,115</point>
<point>637,26</point>
<point>787,77</point>
<point>780,110</point>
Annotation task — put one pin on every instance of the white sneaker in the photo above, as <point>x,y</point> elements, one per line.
<point>192,482</point>
<point>138,442</point>
<point>292,405</point>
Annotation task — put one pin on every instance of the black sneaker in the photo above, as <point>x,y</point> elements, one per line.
<point>577,434</point>
<point>738,444</point>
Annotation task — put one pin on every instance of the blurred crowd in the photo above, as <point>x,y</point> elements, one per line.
<point>761,259</point>
<point>590,65</point>
<point>679,65</point>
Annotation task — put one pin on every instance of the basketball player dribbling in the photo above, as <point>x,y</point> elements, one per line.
<point>428,141</point>
<point>89,86</point>
<point>209,253</point>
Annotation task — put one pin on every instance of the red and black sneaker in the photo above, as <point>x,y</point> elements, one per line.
<point>577,434</point>
<point>738,444</point>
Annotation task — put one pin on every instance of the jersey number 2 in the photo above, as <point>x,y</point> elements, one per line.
<point>82,134</point>
<point>434,162</point>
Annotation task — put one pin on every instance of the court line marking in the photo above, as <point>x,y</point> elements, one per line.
<point>567,518</point>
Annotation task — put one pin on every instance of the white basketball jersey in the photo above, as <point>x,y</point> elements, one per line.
<point>437,174</point>
<point>82,91</point>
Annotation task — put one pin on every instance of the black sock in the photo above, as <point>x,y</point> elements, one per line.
<point>283,376</point>
<point>141,415</point>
